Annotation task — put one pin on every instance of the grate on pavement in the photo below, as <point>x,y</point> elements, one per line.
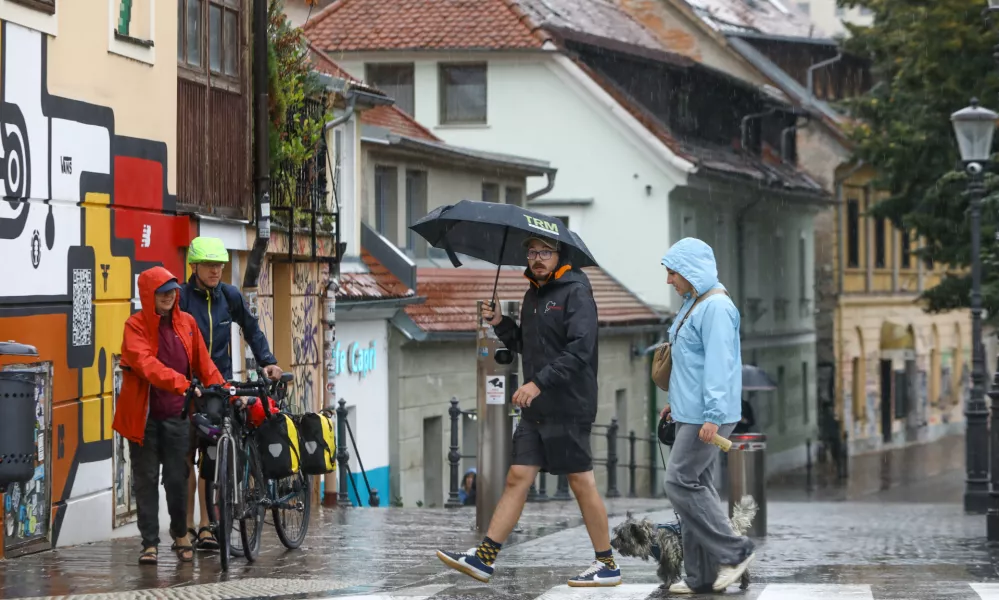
<point>230,590</point>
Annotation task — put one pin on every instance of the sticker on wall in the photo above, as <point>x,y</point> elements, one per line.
<point>496,389</point>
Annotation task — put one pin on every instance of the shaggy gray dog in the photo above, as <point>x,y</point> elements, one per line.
<point>644,539</point>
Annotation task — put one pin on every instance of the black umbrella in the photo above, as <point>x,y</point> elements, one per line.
<point>496,233</point>
<point>756,379</point>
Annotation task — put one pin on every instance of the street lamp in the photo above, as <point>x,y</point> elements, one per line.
<point>973,128</point>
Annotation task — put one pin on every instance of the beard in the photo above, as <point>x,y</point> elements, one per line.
<point>536,275</point>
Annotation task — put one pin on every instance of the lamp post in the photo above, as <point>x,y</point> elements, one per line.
<point>973,128</point>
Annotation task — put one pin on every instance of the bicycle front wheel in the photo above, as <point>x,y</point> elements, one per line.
<point>293,503</point>
<point>253,486</point>
<point>224,501</point>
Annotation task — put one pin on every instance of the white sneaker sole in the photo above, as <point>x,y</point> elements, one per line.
<point>609,582</point>
<point>464,568</point>
<point>735,575</point>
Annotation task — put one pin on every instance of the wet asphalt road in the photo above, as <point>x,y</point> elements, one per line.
<point>895,530</point>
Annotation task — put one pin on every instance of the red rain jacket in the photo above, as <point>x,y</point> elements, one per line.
<point>140,367</point>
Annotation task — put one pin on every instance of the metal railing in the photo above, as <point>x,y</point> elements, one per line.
<point>538,491</point>
<point>343,457</point>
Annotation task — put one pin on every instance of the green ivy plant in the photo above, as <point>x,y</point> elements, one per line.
<point>294,135</point>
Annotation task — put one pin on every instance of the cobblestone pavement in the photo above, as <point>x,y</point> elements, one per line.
<point>345,547</point>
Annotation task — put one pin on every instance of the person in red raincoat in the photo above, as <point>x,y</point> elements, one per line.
<point>160,350</point>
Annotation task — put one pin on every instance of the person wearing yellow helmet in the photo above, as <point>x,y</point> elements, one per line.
<point>215,306</point>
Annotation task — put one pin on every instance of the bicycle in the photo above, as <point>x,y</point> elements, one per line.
<point>289,498</point>
<point>225,492</point>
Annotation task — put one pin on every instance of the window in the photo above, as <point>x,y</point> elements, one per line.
<point>564,219</point>
<point>853,233</point>
<point>133,22</point>
<point>416,208</point>
<point>802,267</point>
<point>45,6</point>
<point>804,392</point>
<point>879,243</point>
<point>490,192</point>
<point>805,8</point>
<point>463,94</point>
<point>840,12</point>
<point>386,201</point>
<point>394,80</point>
<point>213,24</point>
<point>906,249</point>
<point>781,401</point>
<point>515,195</point>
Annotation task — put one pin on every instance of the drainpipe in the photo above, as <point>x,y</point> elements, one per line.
<point>548,187</point>
<point>811,74</point>
<point>261,141</point>
<point>329,498</point>
<point>744,126</point>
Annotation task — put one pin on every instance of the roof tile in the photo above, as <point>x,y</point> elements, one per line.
<point>349,25</point>
<point>398,122</point>
<point>377,284</point>
<point>451,296</point>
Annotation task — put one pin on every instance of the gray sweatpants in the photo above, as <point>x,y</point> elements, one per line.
<point>708,539</point>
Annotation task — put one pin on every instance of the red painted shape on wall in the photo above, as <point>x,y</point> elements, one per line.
<point>157,237</point>
<point>138,183</point>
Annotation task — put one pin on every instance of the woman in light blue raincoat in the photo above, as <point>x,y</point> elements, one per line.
<point>705,398</point>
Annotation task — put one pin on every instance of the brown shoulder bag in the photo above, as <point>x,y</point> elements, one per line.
<point>662,360</point>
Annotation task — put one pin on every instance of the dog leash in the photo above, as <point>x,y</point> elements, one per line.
<point>662,457</point>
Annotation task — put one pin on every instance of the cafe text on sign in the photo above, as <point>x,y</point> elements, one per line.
<point>355,359</point>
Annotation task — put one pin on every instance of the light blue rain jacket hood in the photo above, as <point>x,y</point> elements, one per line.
<point>706,382</point>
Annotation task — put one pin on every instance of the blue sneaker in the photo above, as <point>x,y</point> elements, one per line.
<point>598,575</point>
<point>467,563</point>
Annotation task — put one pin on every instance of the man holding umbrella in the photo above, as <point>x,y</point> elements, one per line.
<point>557,339</point>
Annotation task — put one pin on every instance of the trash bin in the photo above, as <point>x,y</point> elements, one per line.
<point>747,476</point>
<point>17,427</point>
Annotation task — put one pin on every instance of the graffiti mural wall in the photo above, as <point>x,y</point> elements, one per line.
<point>85,209</point>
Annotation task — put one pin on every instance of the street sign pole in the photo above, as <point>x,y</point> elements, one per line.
<point>496,380</point>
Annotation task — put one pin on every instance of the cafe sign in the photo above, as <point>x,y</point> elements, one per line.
<point>356,359</point>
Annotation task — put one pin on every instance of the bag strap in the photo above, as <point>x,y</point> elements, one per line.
<point>694,305</point>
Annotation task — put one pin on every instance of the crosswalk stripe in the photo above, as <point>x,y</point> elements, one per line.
<point>818,591</point>
<point>986,591</point>
<point>413,593</point>
<point>632,591</point>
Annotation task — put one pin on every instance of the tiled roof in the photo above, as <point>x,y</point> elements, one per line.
<point>398,122</point>
<point>451,295</point>
<point>768,17</point>
<point>602,18</point>
<point>324,64</point>
<point>377,284</point>
<point>715,158</point>
<point>349,25</point>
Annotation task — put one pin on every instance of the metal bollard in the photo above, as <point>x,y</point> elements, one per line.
<point>532,493</point>
<point>631,465</point>
<point>453,457</point>
<point>342,456</point>
<point>612,460</point>
<point>562,489</point>
<point>808,463</point>
<point>653,466</point>
<point>543,488</point>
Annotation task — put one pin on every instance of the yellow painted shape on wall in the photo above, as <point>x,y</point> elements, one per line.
<point>108,415</point>
<point>93,421</point>
<point>98,219</point>
<point>109,323</point>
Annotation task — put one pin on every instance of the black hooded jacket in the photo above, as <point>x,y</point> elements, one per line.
<point>557,339</point>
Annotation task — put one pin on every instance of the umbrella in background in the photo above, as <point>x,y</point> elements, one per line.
<point>755,379</point>
<point>496,233</point>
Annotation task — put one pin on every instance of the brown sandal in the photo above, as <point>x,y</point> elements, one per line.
<point>184,553</point>
<point>148,557</point>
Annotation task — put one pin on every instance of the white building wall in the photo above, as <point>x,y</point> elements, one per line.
<point>538,109</point>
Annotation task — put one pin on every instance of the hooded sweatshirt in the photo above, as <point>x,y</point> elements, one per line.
<point>706,382</point>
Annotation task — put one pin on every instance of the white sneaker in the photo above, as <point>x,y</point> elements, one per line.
<point>727,575</point>
<point>680,587</point>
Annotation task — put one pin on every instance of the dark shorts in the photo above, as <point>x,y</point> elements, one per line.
<point>558,448</point>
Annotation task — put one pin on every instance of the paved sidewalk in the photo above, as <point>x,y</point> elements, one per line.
<point>345,548</point>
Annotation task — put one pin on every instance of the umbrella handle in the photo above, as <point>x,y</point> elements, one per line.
<point>499,265</point>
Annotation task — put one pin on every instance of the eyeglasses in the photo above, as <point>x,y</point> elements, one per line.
<point>544,254</point>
